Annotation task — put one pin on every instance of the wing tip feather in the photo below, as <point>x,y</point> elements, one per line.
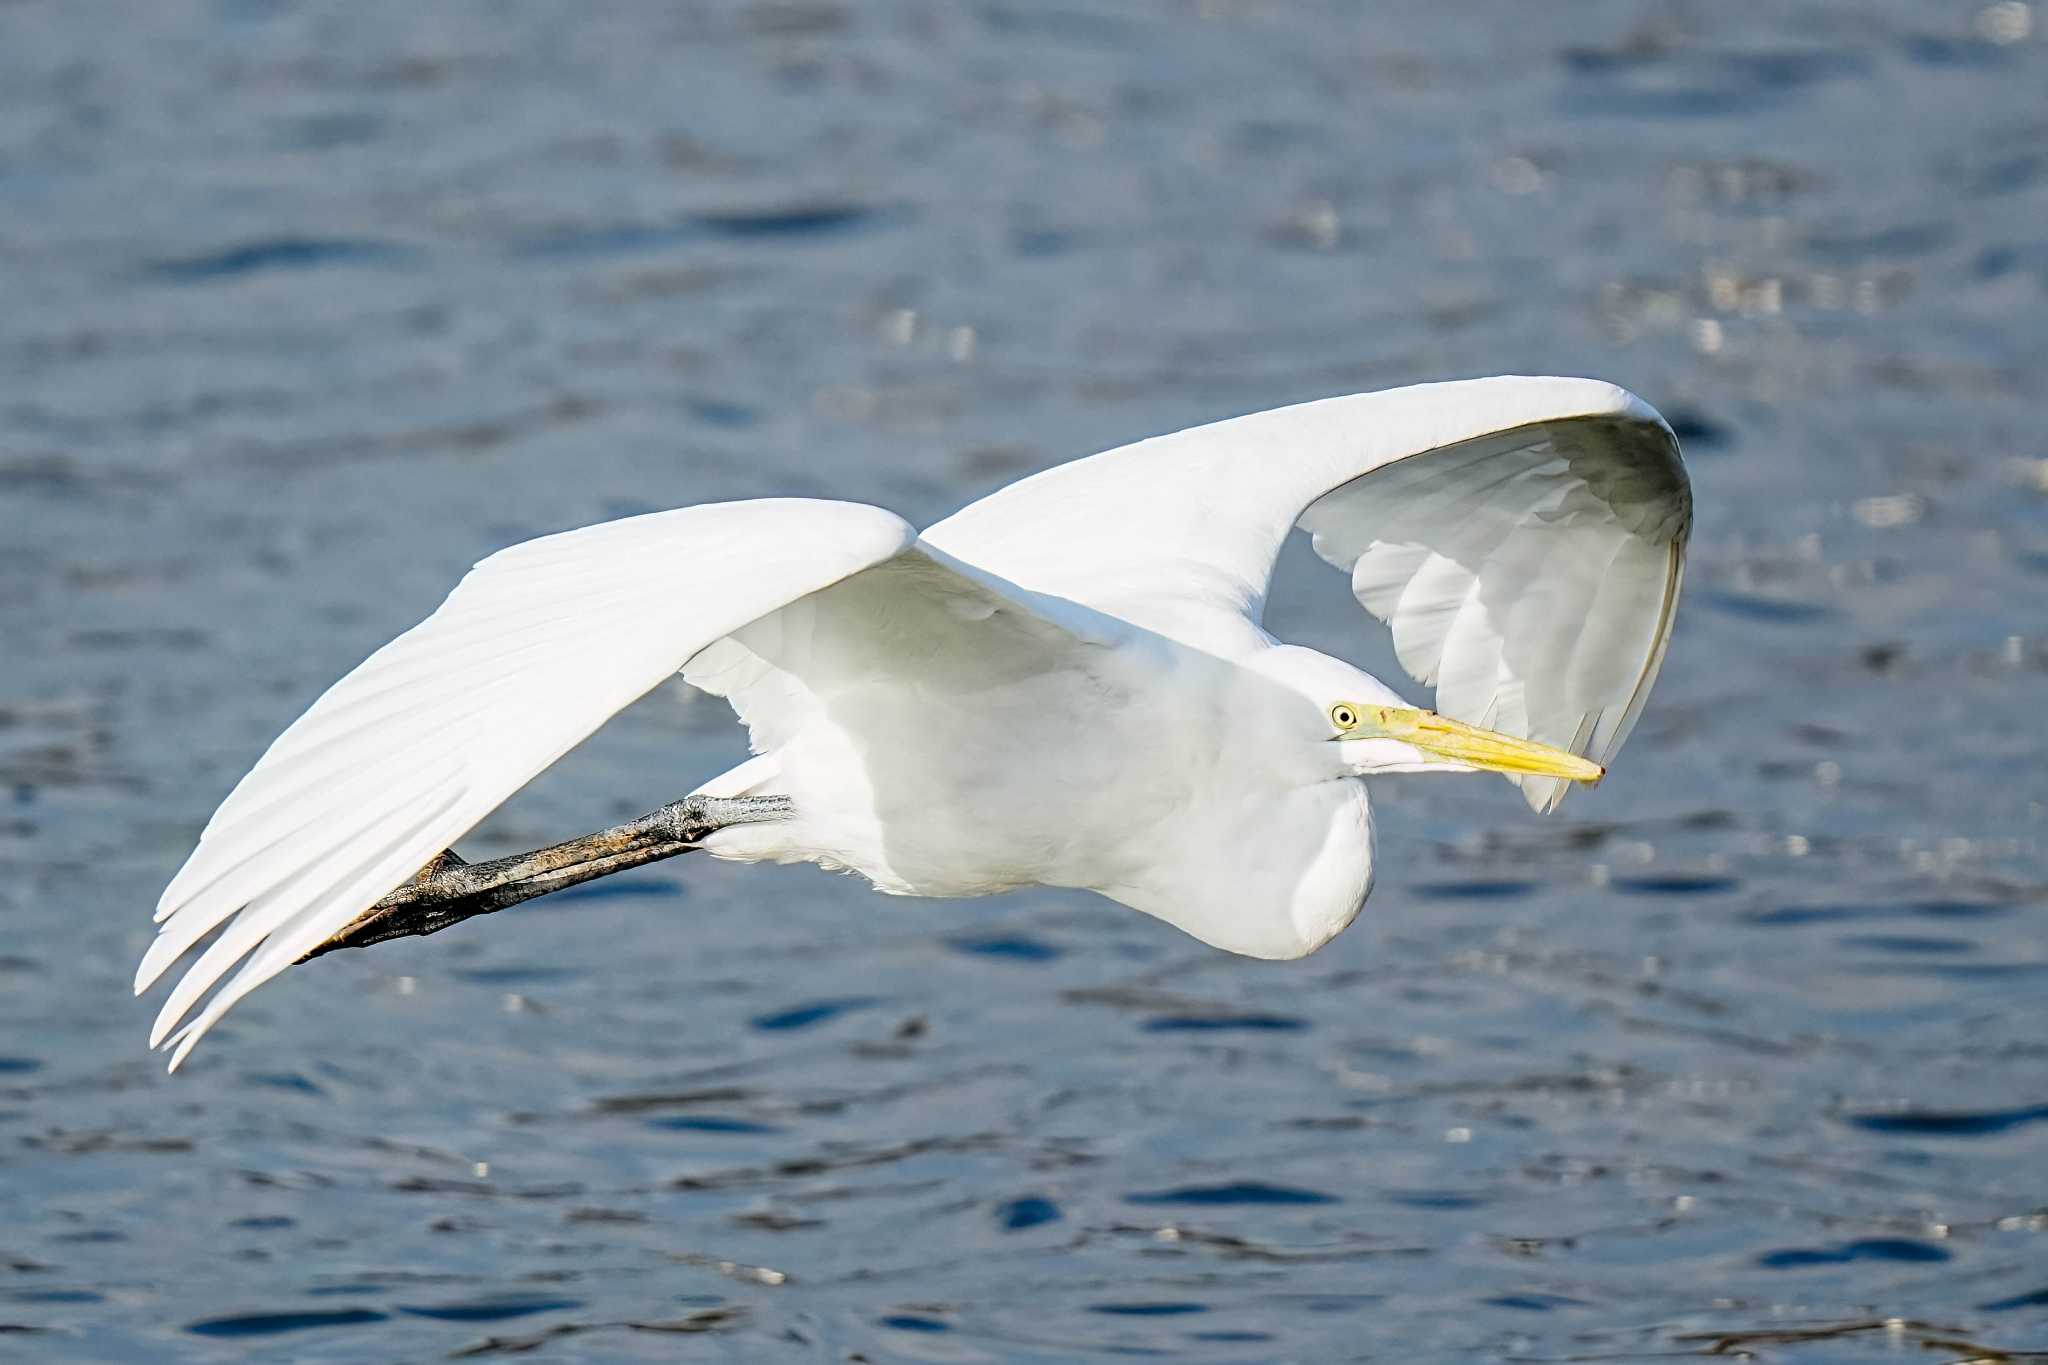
<point>814,542</point>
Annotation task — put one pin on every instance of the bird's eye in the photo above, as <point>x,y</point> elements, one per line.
<point>1342,716</point>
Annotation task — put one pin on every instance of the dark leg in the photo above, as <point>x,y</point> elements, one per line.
<point>448,890</point>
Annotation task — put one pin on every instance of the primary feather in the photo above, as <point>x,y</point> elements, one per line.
<point>536,648</point>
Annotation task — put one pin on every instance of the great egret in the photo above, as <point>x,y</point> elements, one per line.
<point>1065,684</point>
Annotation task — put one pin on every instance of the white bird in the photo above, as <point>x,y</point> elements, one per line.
<point>1064,684</point>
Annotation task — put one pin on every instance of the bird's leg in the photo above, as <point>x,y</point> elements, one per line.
<point>448,890</point>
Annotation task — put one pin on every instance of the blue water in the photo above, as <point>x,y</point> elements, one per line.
<point>304,308</point>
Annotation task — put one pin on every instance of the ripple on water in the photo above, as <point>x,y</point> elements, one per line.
<point>1438,1199</point>
<point>1676,884</point>
<point>1906,1249</point>
<point>277,1324</point>
<point>1225,1023</point>
<point>671,1099</point>
<point>273,253</point>
<point>1028,1212</point>
<point>1950,1122</point>
<point>282,1080</point>
<point>1834,913</point>
<point>1774,611</point>
<point>1013,947</point>
<point>1907,943</point>
<point>1533,1303</point>
<point>1472,890</point>
<point>817,1012</point>
<point>710,1123</point>
<point>1696,430</point>
<point>721,1319</point>
<point>488,1310</point>
<point>913,1322</point>
<point>617,889</point>
<point>1234,1192</point>
<point>794,222</point>
<point>512,974</point>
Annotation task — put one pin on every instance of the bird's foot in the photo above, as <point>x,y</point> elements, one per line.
<point>449,890</point>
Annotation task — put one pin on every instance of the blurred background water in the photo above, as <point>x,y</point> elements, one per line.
<point>303,308</point>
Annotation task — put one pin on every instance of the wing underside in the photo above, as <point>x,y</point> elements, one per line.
<point>1523,537</point>
<point>1529,577</point>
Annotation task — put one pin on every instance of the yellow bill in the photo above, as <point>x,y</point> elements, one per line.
<point>1454,740</point>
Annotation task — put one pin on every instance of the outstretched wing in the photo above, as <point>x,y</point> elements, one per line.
<point>536,648</point>
<point>1524,537</point>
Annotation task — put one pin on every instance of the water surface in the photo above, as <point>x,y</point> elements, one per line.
<point>307,308</point>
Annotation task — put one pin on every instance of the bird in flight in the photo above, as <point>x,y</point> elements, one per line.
<point>1064,684</point>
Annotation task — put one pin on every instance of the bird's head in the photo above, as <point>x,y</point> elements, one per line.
<point>1377,738</point>
<point>1373,731</point>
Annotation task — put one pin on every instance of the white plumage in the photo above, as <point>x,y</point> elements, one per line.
<point>1066,683</point>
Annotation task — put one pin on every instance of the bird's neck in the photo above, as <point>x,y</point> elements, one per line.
<point>1271,878</point>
